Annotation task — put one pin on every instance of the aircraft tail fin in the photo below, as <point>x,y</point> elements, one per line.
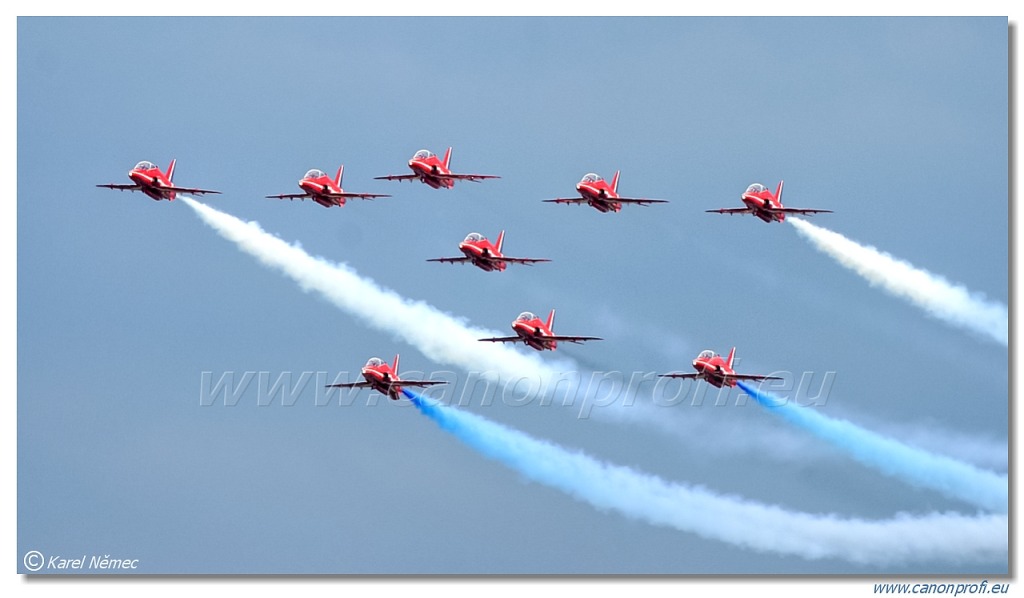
<point>615,182</point>
<point>778,192</point>
<point>394,368</point>
<point>448,158</point>
<point>170,171</point>
<point>501,239</point>
<point>551,320</point>
<point>732,355</point>
<point>338,177</point>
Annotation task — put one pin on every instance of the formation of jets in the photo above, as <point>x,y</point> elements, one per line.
<point>433,171</point>
<point>477,250</point>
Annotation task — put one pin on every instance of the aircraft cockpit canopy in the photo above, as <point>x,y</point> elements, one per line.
<point>374,362</point>
<point>706,354</point>
<point>526,317</point>
<point>473,237</point>
<point>313,174</point>
<point>144,165</point>
<point>423,155</point>
<point>591,178</point>
<point>756,188</point>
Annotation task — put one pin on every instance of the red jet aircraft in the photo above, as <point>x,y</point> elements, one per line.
<point>153,182</point>
<point>760,202</point>
<point>717,371</point>
<point>595,191</point>
<point>532,331</point>
<point>320,188</point>
<point>479,252</point>
<point>384,379</point>
<point>428,168</point>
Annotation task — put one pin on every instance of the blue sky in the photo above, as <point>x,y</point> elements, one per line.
<point>123,302</point>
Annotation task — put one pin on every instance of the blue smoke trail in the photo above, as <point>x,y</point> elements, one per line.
<point>757,526</point>
<point>918,467</point>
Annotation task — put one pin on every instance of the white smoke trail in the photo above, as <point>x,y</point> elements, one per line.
<point>912,465</point>
<point>932,293</point>
<point>748,524</point>
<point>441,337</point>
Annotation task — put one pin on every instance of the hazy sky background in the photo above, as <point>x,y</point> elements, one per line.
<point>898,125</point>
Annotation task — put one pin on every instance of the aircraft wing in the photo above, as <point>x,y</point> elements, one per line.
<point>401,383</point>
<point>640,201</point>
<point>363,384</point>
<point>520,260</point>
<point>691,376</point>
<point>450,260</point>
<point>122,187</point>
<point>572,339</point>
<point>397,177</point>
<point>801,211</point>
<point>502,339</point>
<point>467,177</point>
<point>751,377</point>
<point>188,190</point>
<point>732,211</point>
<point>575,200</point>
<point>290,196</point>
<point>348,195</point>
